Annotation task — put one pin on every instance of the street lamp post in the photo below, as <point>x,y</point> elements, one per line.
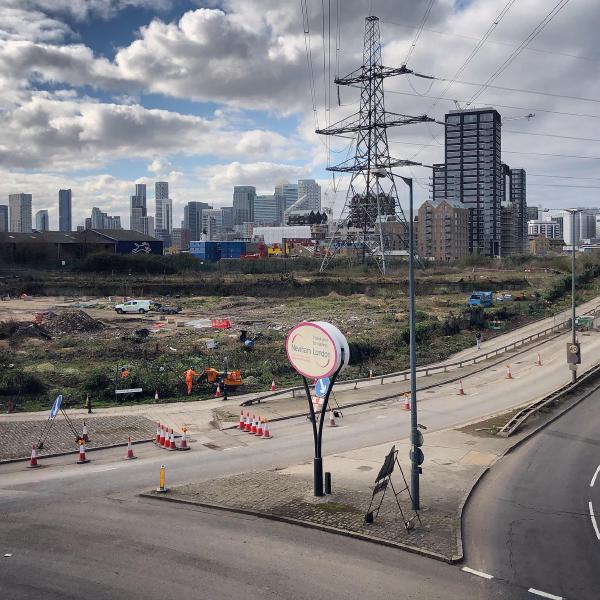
<point>573,212</point>
<point>414,431</point>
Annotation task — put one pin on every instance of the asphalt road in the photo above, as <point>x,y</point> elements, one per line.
<point>529,523</point>
<point>70,531</point>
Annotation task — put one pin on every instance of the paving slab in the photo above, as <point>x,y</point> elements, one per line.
<point>17,437</point>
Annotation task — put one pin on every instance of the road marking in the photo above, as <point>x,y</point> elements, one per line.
<point>544,594</point>
<point>593,481</point>
<point>594,520</point>
<point>478,573</point>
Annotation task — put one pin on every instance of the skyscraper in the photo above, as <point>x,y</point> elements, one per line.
<point>227,217</point>
<point>472,174</point>
<point>102,220</point>
<point>312,192</point>
<point>267,210</point>
<point>65,219</point>
<point>163,216</point>
<point>138,208</point>
<point>212,222</point>
<point>518,196</point>
<point>19,207</point>
<point>243,204</point>
<point>3,217</point>
<point>192,218</point>
<point>286,194</point>
<point>42,220</point>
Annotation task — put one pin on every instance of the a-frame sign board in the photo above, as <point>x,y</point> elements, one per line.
<point>382,482</point>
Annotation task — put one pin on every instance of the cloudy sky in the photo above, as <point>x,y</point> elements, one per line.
<point>98,95</point>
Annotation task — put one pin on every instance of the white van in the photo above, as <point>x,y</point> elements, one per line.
<point>134,306</point>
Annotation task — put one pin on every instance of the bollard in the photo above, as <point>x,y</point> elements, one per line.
<point>88,404</point>
<point>161,489</point>
<point>327,482</point>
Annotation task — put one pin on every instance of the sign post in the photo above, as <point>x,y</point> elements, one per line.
<point>317,350</point>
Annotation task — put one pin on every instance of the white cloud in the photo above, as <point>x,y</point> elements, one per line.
<point>50,131</point>
<point>262,175</point>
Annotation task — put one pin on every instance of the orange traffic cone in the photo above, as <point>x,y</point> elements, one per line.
<point>158,433</point>
<point>130,455</point>
<point>172,445</point>
<point>254,422</point>
<point>161,439</point>
<point>332,422</point>
<point>248,427</point>
<point>406,405</point>
<point>273,388</point>
<point>218,392</point>
<point>84,436</point>
<point>266,434</point>
<point>33,461</point>
<point>259,427</point>
<point>242,420</point>
<point>508,373</point>
<point>461,389</point>
<point>82,459</point>
<point>183,445</point>
<point>538,362</point>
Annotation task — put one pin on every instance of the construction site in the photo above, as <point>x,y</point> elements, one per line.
<point>80,346</point>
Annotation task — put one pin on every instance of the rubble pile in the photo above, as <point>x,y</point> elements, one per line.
<point>70,321</point>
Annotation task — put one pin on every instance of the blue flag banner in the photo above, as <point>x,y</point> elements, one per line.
<point>56,406</point>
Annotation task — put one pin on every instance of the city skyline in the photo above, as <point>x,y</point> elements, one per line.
<point>207,135</point>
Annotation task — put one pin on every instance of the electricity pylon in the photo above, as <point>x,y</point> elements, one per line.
<point>368,205</point>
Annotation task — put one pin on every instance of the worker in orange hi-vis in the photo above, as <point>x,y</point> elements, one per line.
<point>189,379</point>
<point>124,373</point>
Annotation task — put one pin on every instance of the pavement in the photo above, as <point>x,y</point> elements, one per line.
<point>17,437</point>
<point>533,521</point>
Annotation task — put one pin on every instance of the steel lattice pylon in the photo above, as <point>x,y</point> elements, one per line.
<point>368,204</point>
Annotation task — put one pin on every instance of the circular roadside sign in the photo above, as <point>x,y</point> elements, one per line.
<point>314,349</point>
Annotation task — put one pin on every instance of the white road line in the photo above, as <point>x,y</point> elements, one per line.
<point>544,594</point>
<point>593,481</point>
<point>594,520</point>
<point>478,573</point>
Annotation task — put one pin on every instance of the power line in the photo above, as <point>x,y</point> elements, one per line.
<point>508,89</point>
<point>536,31</point>
<point>555,185</point>
<point>496,42</point>
<point>309,62</point>
<point>418,32</point>
<point>561,176</point>
<point>544,110</point>
<point>478,47</point>
<point>553,135</point>
<point>506,151</point>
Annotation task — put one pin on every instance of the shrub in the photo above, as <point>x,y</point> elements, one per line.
<point>14,382</point>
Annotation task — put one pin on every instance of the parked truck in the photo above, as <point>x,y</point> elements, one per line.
<point>483,299</point>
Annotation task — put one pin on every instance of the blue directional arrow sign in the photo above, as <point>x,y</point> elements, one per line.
<point>321,387</point>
